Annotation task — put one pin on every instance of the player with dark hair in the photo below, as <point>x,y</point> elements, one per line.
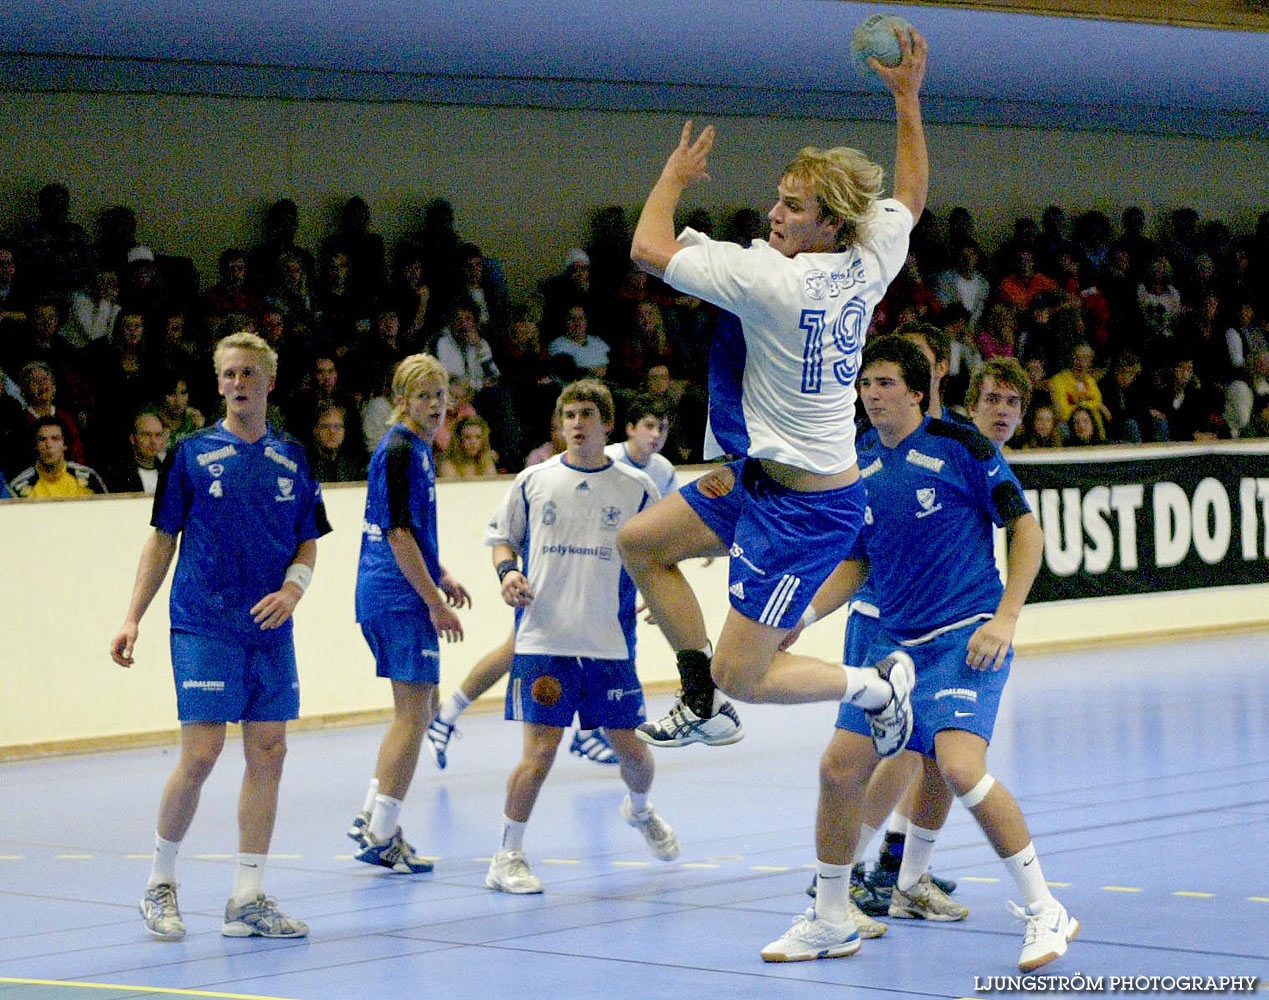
<point>932,487</point>
<point>552,542</point>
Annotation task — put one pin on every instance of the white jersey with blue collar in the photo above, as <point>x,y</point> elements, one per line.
<point>804,319</point>
<point>563,523</point>
<point>659,468</point>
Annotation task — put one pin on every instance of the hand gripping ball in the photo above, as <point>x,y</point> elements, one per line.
<point>875,37</point>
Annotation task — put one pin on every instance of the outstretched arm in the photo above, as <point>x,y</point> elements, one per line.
<point>911,161</point>
<point>654,243</point>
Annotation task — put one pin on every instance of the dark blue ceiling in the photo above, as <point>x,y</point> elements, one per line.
<point>785,57</point>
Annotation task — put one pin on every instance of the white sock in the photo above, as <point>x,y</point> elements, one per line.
<point>383,821</point>
<point>866,689</point>
<point>452,707</point>
<point>1025,869</point>
<point>898,823</point>
<point>639,801</point>
<point>513,834</point>
<point>163,866</point>
<point>918,848</point>
<point>832,891</point>
<point>866,833</point>
<point>368,803</point>
<point>247,878</point>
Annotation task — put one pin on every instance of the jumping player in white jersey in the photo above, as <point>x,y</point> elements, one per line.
<point>249,513</point>
<point>804,298</point>
<point>575,622</point>
<point>647,426</point>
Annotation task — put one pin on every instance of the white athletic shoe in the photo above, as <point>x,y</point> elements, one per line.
<point>891,724</point>
<point>162,915</point>
<point>509,872</point>
<point>1049,929</point>
<point>868,927</point>
<point>681,726</point>
<point>663,841</point>
<point>811,938</point>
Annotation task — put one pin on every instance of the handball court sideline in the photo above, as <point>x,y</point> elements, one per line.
<point>1143,772</point>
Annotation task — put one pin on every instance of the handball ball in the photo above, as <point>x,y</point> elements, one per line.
<point>875,37</point>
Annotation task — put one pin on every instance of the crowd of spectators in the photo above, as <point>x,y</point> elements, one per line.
<point>1128,334</point>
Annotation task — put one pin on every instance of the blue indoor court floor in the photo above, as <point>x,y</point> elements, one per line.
<point>1143,772</point>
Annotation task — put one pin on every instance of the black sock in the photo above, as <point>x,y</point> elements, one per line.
<point>698,685</point>
<point>891,856</point>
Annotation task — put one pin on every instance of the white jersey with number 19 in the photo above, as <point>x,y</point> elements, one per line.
<point>804,320</point>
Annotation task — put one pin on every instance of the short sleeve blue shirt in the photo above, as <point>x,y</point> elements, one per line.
<point>400,493</point>
<point>241,510</point>
<point>932,502</point>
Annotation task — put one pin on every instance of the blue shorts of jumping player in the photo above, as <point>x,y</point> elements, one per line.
<point>862,629</point>
<point>783,543</point>
<point>405,647</point>
<point>948,693</point>
<point>549,689</point>
<point>222,679</point>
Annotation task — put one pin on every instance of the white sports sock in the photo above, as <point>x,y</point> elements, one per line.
<point>384,819</point>
<point>898,823</point>
<point>639,801</point>
<point>452,707</point>
<point>918,848</point>
<point>513,834</point>
<point>866,833</point>
<point>866,689</point>
<point>163,866</point>
<point>248,876</point>
<point>1025,869</point>
<point>368,803</point>
<point>832,891</point>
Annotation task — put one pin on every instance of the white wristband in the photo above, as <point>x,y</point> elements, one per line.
<point>810,616</point>
<point>300,575</point>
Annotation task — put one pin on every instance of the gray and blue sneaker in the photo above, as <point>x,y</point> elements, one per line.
<point>357,829</point>
<point>681,726</point>
<point>891,724</point>
<point>260,917</point>
<point>395,853</point>
<point>162,915</point>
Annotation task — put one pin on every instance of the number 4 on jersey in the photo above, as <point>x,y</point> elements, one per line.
<point>215,489</point>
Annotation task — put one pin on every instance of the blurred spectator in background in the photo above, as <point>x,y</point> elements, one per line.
<point>469,454</point>
<point>138,470</point>
<point>52,476</point>
<point>330,457</point>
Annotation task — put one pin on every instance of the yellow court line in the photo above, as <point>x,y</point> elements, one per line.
<point>1059,885</point>
<point>1258,899</point>
<point>978,878</point>
<point>1121,888</point>
<point>560,861</point>
<point>139,857</point>
<point>10,857</point>
<point>343,857</point>
<point>1196,895</point>
<point>285,857</point>
<point>213,857</point>
<point>140,989</point>
<point>632,864</point>
<point>728,857</point>
<point>698,864</point>
<point>75,857</point>
<point>770,868</point>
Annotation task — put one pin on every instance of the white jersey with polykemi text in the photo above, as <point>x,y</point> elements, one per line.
<point>804,320</point>
<point>563,521</point>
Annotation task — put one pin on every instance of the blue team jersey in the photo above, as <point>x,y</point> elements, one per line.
<point>241,510</point>
<point>400,493</point>
<point>932,502</point>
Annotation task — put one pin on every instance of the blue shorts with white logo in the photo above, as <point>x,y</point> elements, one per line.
<point>948,693</point>
<point>405,647</point>
<point>226,680</point>
<point>784,543</point>
<point>549,689</point>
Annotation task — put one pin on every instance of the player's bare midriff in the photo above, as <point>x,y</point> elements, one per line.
<point>804,481</point>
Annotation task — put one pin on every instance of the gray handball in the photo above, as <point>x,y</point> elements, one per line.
<point>875,37</point>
